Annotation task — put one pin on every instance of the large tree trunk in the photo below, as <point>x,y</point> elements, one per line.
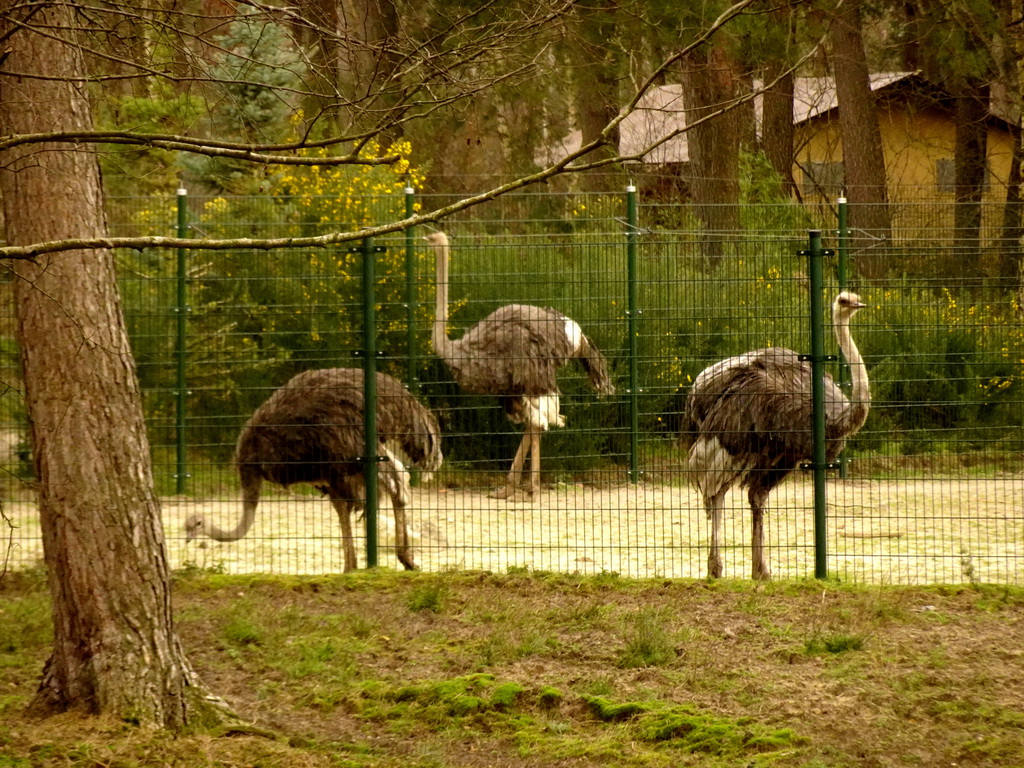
<point>863,158</point>
<point>115,650</point>
<point>708,78</point>
<point>1012,229</point>
<point>777,130</point>
<point>368,64</point>
<point>355,62</point>
<point>596,67</point>
<point>970,171</point>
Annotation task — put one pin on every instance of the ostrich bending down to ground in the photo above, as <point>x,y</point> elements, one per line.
<point>515,353</point>
<point>750,419</point>
<point>311,431</point>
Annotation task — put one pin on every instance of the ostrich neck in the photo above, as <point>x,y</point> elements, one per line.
<point>860,396</point>
<point>239,531</point>
<point>443,346</point>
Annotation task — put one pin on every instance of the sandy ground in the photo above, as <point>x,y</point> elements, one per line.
<point>906,532</point>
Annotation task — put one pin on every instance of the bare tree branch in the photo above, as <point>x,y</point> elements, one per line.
<point>572,162</point>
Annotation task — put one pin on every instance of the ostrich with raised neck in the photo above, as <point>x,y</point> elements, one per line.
<point>515,353</point>
<point>749,418</point>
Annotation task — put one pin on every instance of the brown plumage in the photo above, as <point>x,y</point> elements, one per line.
<point>515,353</point>
<point>311,431</point>
<point>750,420</point>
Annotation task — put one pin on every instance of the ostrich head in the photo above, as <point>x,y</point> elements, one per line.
<point>846,305</point>
<point>193,526</point>
<point>436,238</point>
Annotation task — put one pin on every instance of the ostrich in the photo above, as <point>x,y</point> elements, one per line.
<point>750,419</point>
<point>311,431</point>
<point>515,353</point>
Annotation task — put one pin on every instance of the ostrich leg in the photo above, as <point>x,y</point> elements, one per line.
<point>760,570</point>
<point>344,509</point>
<point>535,463</point>
<point>516,472</point>
<point>714,505</point>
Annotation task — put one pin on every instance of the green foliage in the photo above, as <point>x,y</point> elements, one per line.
<point>25,623</point>
<point>256,70</point>
<point>764,205</point>
<point>549,697</point>
<point>952,362</point>
<point>243,630</point>
<point>648,642</point>
<point>610,712</point>
<point>833,642</point>
<point>143,170</point>
<point>257,318</point>
<point>692,731</point>
<point>505,695</point>
<point>428,595</point>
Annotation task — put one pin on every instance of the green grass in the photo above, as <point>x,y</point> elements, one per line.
<point>648,642</point>
<point>542,669</point>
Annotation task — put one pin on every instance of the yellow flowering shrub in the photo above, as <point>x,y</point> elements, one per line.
<point>258,316</point>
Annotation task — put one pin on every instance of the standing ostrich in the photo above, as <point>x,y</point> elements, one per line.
<point>750,417</point>
<point>515,353</point>
<point>311,431</point>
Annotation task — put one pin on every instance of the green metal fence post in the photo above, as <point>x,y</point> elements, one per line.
<point>632,316</point>
<point>843,277</point>
<point>412,361</point>
<point>369,354</point>
<point>817,359</point>
<point>180,351</point>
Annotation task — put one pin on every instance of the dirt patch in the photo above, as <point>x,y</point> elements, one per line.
<point>916,531</point>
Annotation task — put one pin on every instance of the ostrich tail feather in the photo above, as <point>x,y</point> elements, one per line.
<point>596,367</point>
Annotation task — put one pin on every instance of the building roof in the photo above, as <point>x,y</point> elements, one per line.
<point>661,112</point>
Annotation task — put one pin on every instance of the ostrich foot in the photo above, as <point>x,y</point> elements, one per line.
<point>761,572</point>
<point>714,567</point>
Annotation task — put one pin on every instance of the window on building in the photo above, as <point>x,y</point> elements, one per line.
<point>825,179</point>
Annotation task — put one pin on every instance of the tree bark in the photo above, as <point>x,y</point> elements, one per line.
<point>115,650</point>
<point>708,78</point>
<point>597,71</point>
<point>367,64</point>
<point>1012,229</point>
<point>777,132</point>
<point>970,169</point>
<point>863,158</point>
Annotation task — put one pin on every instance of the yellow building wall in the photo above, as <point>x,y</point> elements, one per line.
<point>913,142</point>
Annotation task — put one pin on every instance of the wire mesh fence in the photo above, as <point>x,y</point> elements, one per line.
<point>930,489</point>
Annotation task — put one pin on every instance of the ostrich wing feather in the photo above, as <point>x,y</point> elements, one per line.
<point>314,426</point>
<point>759,405</point>
<point>516,350</point>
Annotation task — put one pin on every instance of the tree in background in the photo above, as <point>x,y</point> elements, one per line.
<point>256,73</point>
<point>709,77</point>
<point>863,158</point>
<point>777,132</point>
<point>596,65</point>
